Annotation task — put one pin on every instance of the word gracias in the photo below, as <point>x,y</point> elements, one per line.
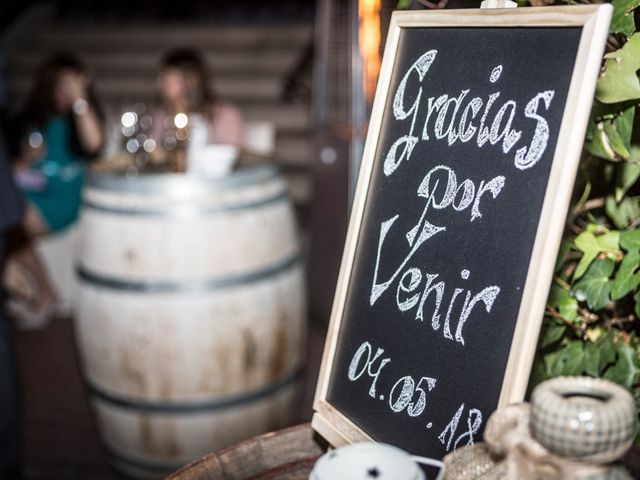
<point>460,126</point>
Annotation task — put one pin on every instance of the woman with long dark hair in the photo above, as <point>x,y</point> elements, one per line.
<point>183,88</point>
<point>60,129</point>
<point>53,136</point>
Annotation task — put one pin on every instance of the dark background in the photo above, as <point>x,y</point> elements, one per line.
<point>149,10</point>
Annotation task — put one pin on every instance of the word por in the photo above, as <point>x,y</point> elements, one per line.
<point>441,190</point>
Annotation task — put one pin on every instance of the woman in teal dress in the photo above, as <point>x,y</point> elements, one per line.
<point>59,129</point>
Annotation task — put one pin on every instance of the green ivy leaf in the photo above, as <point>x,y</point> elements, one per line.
<point>622,19</point>
<point>595,143</point>
<point>635,154</point>
<point>554,332</point>
<point>622,213</point>
<point>622,125</point>
<point>636,297</point>
<point>607,348</point>
<point>630,240</point>
<point>560,299</point>
<point>586,242</point>
<point>628,174</point>
<point>592,359</point>
<point>565,361</point>
<point>595,286</point>
<point>625,371</point>
<point>599,355</point>
<point>619,81</point>
<point>609,134</point>
<point>591,246</point>
<point>565,248</point>
<point>609,242</point>
<point>628,276</point>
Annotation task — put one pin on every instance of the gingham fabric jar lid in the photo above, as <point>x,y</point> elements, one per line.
<point>583,418</point>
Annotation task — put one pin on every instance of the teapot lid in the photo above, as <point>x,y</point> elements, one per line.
<point>366,461</point>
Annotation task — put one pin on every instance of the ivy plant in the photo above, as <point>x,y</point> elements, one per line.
<point>591,324</point>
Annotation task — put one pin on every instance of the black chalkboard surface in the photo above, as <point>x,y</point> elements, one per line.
<point>467,173</point>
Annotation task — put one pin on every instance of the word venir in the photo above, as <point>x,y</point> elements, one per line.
<point>415,288</point>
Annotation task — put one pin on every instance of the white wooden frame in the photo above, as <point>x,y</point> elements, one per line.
<point>330,423</point>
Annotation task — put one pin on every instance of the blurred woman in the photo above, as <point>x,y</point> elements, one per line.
<point>54,135</point>
<point>183,88</point>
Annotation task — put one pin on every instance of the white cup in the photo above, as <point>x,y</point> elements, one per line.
<point>211,161</point>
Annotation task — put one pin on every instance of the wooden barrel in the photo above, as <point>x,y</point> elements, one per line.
<point>288,454</point>
<point>190,320</point>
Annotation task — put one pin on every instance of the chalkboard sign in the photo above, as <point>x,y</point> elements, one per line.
<point>470,159</point>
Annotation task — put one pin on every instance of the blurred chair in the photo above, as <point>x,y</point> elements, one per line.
<point>58,253</point>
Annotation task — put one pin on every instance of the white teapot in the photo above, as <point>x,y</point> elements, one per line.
<point>371,461</point>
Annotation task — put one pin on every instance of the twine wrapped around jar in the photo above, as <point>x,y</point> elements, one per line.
<point>592,423</point>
